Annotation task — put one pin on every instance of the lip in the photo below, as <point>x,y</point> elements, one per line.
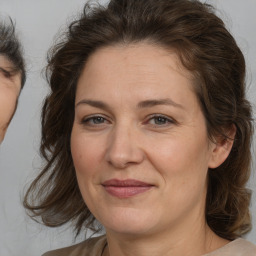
<point>125,188</point>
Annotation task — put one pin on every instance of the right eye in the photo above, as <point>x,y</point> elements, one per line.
<point>94,121</point>
<point>5,73</point>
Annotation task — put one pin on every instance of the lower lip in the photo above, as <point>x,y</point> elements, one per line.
<point>126,192</point>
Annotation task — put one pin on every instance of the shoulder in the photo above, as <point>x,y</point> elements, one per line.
<point>92,247</point>
<point>238,247</point>
<point>246,247</point>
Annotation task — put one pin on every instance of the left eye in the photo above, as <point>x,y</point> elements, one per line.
<point>160,120</point>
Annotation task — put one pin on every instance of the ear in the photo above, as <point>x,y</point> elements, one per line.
<point>221,148</point>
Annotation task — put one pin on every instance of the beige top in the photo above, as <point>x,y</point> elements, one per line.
<point>95,246</point>
<point>90,247</point>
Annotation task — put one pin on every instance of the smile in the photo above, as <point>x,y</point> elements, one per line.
<point>125,188</point>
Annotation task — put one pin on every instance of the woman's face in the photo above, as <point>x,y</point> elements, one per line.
<point>9,92</point>
<point>139,141</point>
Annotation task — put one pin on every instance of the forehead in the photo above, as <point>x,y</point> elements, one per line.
<point>135,64</point>
<point>145,53</point>
<point>126,75</point>
<point>5,63</point>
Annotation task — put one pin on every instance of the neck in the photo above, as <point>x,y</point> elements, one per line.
<point>196,240</point>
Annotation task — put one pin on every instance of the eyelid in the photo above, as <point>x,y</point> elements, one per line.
<point>85,119</point>
<point>6,73</point>
<point>169,119</point>
<point>160,115</point>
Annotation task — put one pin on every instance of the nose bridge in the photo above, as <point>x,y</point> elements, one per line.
<point>123,146</point>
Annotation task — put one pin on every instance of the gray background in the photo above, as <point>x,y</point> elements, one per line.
<point>37,23</point>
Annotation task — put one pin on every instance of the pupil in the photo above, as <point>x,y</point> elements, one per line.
<point>160,120</point>
<point>98,120</point>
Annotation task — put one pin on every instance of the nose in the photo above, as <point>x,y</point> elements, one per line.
<point>124,148</point>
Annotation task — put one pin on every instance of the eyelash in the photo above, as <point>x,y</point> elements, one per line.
<point>99,120</point>
<point>5,73</point>
<point>167,120</point>
<point>86,120</point>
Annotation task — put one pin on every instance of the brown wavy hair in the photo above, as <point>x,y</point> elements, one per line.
<point>205,47</point>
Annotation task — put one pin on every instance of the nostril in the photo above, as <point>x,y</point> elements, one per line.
<point>118,160</point>
<point>123,149</point>
<point>122,159</point>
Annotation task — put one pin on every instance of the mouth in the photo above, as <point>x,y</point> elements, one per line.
<point>125,188</point>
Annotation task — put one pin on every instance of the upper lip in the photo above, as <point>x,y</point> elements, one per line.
<point>125,183</point>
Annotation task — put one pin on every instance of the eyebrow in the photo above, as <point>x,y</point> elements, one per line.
<point>5,72</point>
<point>93,103</point>
<point>156,102</point>
<point>142,104</point>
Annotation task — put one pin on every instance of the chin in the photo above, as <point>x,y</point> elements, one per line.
<point>129,221</point>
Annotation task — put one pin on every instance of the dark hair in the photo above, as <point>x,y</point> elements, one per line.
<point>11,49</point>
<point>205,48</point>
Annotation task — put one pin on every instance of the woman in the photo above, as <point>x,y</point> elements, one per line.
<point>12,74</point>
<point>147,131</point>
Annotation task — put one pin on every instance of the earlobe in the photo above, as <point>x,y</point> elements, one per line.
<point>221,148</point>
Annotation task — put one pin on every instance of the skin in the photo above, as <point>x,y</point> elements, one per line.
<point>9,91</point>
<point>137,117</point>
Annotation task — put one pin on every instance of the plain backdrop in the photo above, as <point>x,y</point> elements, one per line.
<point>37,23</point>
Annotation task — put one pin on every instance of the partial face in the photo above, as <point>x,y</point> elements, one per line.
<point>9,92</point>
<point>139,141</point>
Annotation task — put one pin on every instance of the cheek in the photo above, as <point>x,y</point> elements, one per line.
<point>182,162</point>
<point>87,158</point>
<point>183,168</point>
<point>86,154</point>
<point>7,106</point>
